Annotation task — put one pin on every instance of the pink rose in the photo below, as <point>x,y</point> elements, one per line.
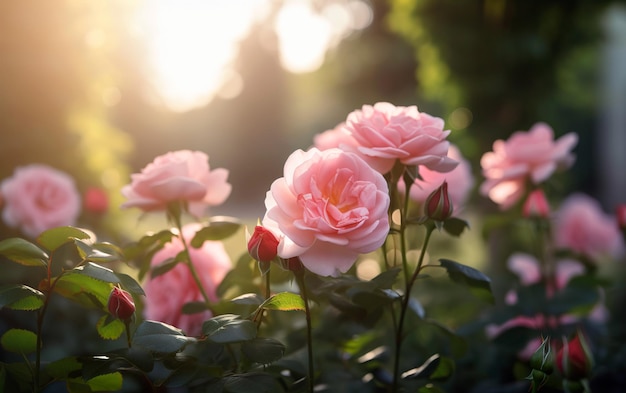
<point>532,155</point>
<point>385,133</point>
<point>166,294</point>
<point>460,181</point>
<point>337,137</point>
<point>182,175</point>
<point>583,227</point>
<point>38,198</point>
<point>329,207</point>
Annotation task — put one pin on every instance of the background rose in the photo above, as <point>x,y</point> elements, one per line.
<point>533,155</point>
<point>166,294</point>
<point>460,181</point>
<point>386,133</point>
<point>337,137</point>
<point>583,227</point>
<point>38,197</point>
<point>329,207</point>
<point>182,175</point>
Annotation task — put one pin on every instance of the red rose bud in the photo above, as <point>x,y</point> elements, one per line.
<point>536,205</point>
<point>620,212</point>
<point>263,245</point>
<point>96,200</point>
<point>438,206</point>
<point>575,359</point>
<point>121,304</point>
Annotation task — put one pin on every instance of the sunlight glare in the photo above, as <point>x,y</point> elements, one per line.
<point>191,47</point>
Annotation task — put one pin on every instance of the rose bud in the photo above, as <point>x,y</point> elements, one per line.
<point>96,200</point>
<point>263,245</point>
<point>121,304</point>
<point>620,212</point>
<point>438,206</point>
<point>536,205</point>
<point>543,359</point>
<point>575,360</point>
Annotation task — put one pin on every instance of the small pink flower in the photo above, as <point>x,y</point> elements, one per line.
<point>385,133</point>
<point>460,181</point>
<point>38,197</point>
<point>329,207</point>
<point>338,137</point>
<point>96,200</point>
<point>536,205</point>
<point>166,294</point>
<point>438,206</point>
<point>583,227</point>
<point>182,175</point>
<point>533,155</point>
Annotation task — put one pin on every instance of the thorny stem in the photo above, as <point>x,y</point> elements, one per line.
<point>405,306</point>
<point>175,215</point>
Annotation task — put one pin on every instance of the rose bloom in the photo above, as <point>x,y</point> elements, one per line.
<point>583,227</point>
<point>533,155</point>
<point>385,133</point>
<point>166,294</point>
<point>182,175</point>
<point>329,207</point>
<point>96,200</point>
<point>38,197</point>
<point>460,181</point>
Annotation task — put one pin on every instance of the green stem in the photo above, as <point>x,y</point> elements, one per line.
<point>268,293</point>
<point>309,335</point>
<point>404,308</point>
<point>176,217</point>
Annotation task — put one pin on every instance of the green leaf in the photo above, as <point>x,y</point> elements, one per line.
<point>98,272</point>
<point>229,328</point>
<point>444,370</point>
<point>194,307</point>
<point>19,341</point>
<point>106,382</point>
<point>249,299</point>
<point>21,297</point>
<point>56,237</point>
<point>23,252</point>
<point>61,368</point>
<point>455,226</point>
<point>130,284</point>
<point>469,276</point>
<point>251,382</point>
<point>218,228</point>
<point>110,328</point>
<point>164,267</point>
<point>263,350</point>
<point>284,301</point>
<point>160,337</point>
<point>83,289</point>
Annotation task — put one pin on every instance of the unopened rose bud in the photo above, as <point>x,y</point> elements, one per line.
<point>543,359</point>
<point>536,205</point>
<point>620,212</point>
<point>96,200</point>
<point>438,206</point>
<point>575,360</point>
<point>263,245</point>
<point>121,304</point>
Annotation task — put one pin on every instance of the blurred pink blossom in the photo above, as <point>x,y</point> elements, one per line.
<point>536,205</point>
<point>337,137</point>
<point>385,133</point>
<point>533,155</point>
<point>166,294</point>
<point>38,197</point>
<point>460,181</point>
<point>329,207</point>
<point>583,227</point>
<point>528,270</point>
<point>182,175</point>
